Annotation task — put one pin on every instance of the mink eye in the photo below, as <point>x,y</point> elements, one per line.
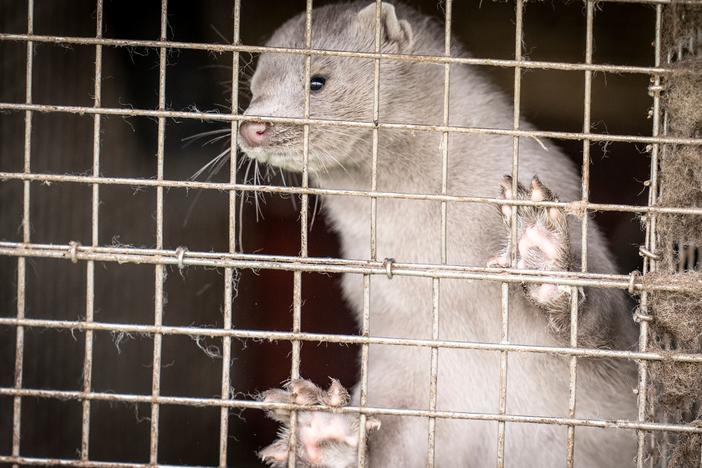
<point>317,82</point>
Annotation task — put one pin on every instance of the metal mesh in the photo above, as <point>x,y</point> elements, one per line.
<point>231,260</point>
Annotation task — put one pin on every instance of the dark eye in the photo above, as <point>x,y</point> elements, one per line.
<point>317,82</point>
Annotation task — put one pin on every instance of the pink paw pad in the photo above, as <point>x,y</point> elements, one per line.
<point>539,238</point>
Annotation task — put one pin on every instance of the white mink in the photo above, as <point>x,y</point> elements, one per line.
<point>410,231</point>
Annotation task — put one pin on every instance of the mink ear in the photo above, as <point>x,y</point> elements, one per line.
<point>395,30</point>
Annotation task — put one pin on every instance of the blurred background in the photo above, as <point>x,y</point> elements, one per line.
<point>60,212</point>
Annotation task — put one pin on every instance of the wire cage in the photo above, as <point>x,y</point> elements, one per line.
<point>222,339</point>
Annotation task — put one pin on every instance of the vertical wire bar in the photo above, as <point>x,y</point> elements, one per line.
<point>570,456</point>
<point>445,135</point>
<point>436,297</point>
<point>649,264</point>
<point>585,196</point>
<point>21,261</point>
<point>518,40</point>
<point>90,265</point>
<point>159,268</point>
<point>502,392</point>
<point>504,338</point>
<point>376,117</point>
<point>229,276</point>
<point>365,326</point>
<point>304,204</point>
<point>362,439</point>
<point>436,282</point>
<point>587,105</point>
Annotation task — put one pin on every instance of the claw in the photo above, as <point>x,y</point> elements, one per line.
<point>276,453</point>
<point>336,395</point>
<point>372,424</point>
<point>277,395</point>
<point>498,261</point>
<point>506,194</point>
<point>506,187</point>
<point>304,392</point>
<point>539,192</point>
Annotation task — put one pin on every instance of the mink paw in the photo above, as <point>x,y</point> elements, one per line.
<point>542,239</point>
<point>324,439</point>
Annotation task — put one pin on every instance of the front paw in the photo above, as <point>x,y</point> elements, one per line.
<point>542,238</point>
<point>324,439</point>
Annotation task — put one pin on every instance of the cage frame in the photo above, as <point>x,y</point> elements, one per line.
<point>233,260</point>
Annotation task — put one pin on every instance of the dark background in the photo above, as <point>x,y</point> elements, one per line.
<point>60,212</point>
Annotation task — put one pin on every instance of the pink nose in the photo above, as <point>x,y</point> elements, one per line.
<point>253,132</point>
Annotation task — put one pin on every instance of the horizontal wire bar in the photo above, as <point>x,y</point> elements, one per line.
<point>222,48</point>
<point>348,339</point>
<point>24,460</point>
<point>36,461</point>
<point>181,257</point>
<point>260,405</point>
<point>184,254</point>
<point>576,206</point>
<point>216,116</point>
<point>653,2</point>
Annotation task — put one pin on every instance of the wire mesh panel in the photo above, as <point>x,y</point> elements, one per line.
<point>157,260</point>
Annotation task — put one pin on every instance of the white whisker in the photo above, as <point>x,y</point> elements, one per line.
<point>199,136</point>
<point>314,211</point>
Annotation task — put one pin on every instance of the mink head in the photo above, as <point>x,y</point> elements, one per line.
<point>341,87</point>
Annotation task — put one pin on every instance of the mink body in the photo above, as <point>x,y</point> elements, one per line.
<point>410,231</point>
